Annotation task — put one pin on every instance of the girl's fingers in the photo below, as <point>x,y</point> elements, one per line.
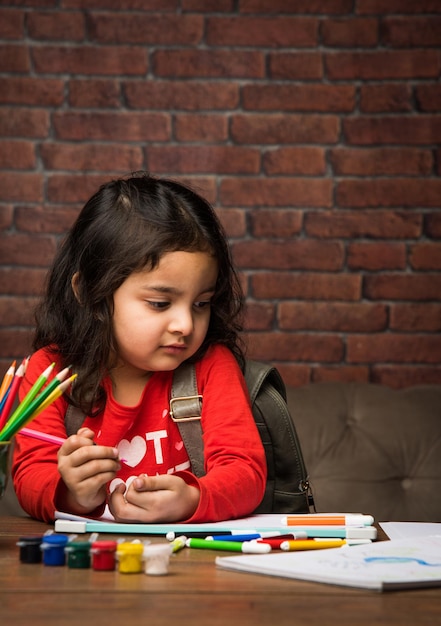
<point>86,432</point>
<point>83,450</point>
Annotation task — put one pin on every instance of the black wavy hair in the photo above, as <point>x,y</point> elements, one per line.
<point>128,225</point>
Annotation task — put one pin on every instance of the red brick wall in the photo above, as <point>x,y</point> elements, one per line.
<point>313,126</point>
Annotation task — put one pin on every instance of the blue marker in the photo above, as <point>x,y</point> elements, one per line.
<point>252,535</point>
<point>247,537</point>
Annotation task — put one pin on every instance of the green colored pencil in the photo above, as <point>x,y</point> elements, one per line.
<point>12,426</point>
<point>33,391</point>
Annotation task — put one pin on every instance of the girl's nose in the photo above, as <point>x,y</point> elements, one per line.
<point>182,323</point>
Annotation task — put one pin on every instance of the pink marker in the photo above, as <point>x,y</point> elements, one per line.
<point>36,434</point>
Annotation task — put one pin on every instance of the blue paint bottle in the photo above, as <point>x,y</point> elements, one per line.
<point>53,549</point>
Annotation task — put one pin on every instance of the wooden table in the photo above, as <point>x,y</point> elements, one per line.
<point>194,592</point>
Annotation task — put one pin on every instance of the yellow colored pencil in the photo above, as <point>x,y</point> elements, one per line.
<point>33,391</point>
<point>56,393</point>
<point>13,426</point>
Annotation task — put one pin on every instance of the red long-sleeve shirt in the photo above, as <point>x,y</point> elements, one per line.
<point>150,441</point>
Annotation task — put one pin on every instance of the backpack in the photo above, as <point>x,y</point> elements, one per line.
<point>287,488</point>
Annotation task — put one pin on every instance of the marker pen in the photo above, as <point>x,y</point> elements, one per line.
<point>329,520</point>
<point>275,542</point>
<point>171,535</point>
<point>311,544</point>
<point>36,434</point>
<point>178,543</point>
<point>248,547</point>
<point>239,538</point>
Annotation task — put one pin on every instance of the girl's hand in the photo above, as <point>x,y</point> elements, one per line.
<point>164,498</point>
<point>85,469</point>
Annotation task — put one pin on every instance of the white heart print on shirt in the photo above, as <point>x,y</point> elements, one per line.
<point>132,451</point>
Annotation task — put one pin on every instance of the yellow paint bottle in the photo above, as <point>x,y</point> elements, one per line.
<point>129,557</point>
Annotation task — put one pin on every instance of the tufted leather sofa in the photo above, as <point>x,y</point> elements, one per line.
<point>371,449</point>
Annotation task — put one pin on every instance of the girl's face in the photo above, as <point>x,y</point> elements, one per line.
<point>161,316</point>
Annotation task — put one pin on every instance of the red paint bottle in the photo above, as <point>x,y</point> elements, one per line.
<point>103,555</point>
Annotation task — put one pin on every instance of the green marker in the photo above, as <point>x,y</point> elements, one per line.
<point>248,547</point>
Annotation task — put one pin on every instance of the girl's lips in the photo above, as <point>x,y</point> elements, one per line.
<point>174,348</point>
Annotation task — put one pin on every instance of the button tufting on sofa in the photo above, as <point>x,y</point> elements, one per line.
<point>371,449</point>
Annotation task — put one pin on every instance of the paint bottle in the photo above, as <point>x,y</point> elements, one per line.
<point>129,557</point>
<point>78,554</point>
<point>53,549</point>
<point>103,555</point>
<point>156,558</point>
<point>30,549</point>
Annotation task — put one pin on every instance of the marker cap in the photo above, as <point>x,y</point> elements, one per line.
<point>253,547</point>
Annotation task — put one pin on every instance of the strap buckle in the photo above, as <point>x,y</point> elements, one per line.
<point>180,414</point>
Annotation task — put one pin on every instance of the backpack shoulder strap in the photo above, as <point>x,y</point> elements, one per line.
<point>73,419</point>
<point>186,404</point>
<point>256,373</point>
<point>185,411</point>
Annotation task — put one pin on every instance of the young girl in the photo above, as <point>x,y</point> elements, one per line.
<point>143,282</point>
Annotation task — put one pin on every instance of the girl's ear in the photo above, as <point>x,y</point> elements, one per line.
<point>75,286</point>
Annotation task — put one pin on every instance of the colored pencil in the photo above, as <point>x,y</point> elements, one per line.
<point>29,397</point>
<point>54,395</point>
<point>30,407</point>
<point>37,405</point>
<point>7,380</point>
<point>12,394</point>
<point>5,398</point>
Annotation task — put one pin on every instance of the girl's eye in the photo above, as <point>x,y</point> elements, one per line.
<point>163,304</point>
<point>158,305</point>
<point>202,304</point>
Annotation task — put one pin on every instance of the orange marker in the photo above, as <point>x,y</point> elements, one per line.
<point>329,520</point>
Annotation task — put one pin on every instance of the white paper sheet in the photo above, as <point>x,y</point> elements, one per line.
<point>410,530</point>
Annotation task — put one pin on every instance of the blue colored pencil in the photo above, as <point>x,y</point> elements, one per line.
<point>12,394</point>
